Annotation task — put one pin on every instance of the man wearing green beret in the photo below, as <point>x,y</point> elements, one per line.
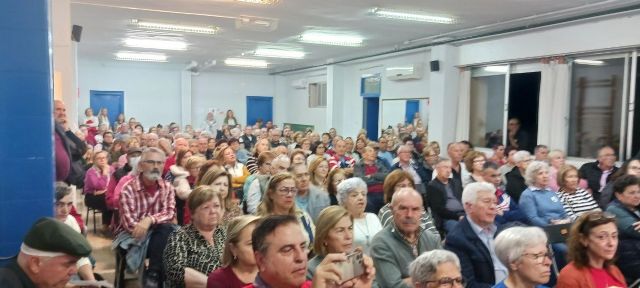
<point>47,257</point>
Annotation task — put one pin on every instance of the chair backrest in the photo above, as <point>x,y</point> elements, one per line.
<point>557,233</point>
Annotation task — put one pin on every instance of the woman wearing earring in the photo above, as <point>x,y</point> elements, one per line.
<point>352,195</point>
<point>239,265</point>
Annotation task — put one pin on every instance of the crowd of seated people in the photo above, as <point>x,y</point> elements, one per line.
<point>264,206</point>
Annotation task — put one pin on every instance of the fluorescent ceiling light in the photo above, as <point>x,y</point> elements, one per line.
<point>411,16</point>
<point>155,44</point>
<point>243,62</point>
<point>589,62</point>
<point>263,2</point>
<point>144,57</point>
<point>497,69</point>
<point>317,37</point>
<point>279,53</point>
<point>205,29</point>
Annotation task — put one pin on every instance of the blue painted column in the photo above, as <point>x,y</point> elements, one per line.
<point>26,120</point>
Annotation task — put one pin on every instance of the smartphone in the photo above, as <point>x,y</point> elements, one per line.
<point>353,267</point>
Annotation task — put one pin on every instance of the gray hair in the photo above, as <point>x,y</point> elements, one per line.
<point>521,156</point>
<point>62,190</point>
<point>347,186</point>
<point>532,170</point>
<point>281,159</point>
<point>150,150</point>
<point>470,192</point>
<point>235,132</point>
<point>403,192</point>
<point>423,268</point>
<point>511,242</point>
<point>404,148</point>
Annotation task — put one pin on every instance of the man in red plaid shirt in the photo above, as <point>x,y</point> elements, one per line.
<point>147,208</point>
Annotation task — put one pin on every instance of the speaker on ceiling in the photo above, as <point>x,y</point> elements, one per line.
<point>435,65</point>
<point>76,33</point>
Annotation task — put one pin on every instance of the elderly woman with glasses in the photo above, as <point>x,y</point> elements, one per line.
<point>436,268</point>
<point>352,195</point>
<point>593,241</point>
<point>524,251</point>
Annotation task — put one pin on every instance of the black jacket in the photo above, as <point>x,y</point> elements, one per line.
<point>515,184</point>
<point>592,173</point>
<point>436,198</point>
<point>475,258</point>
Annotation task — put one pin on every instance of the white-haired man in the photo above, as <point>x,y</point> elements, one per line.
<point>472,239</point>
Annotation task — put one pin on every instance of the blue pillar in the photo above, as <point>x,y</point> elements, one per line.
<point>26,120</point>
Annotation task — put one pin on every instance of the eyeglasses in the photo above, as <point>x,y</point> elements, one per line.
<point>284,191</point>
<point>152,162</point>
<point>448,282</point>
<point>539,257</point>
<point>597,216</point>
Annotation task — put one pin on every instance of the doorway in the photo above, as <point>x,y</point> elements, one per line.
<point>112,100</point>
<point>524,92</point>
<point>371,110</point>
<point>259,107</point>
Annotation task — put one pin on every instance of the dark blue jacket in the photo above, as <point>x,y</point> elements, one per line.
<point>475,260</point>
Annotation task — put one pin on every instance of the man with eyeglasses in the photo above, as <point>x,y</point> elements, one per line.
<point>147,207</point>
<point>396,245</point>
<point>472,239</point>
<point>309,198</point>
<point>598,173</point>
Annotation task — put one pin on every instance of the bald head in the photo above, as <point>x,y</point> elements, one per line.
<point>407,209</point>
<point>405,194</point>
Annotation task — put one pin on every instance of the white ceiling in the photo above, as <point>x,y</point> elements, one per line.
<point>105,24</point>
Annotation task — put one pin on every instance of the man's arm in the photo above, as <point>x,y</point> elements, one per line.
<point>166,213</point>
<point>388,273</point>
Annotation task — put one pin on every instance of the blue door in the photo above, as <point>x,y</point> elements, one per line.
<point>259,107</point>
<point>371,109</point>
<point>112,100</point>
<point>412,107</point>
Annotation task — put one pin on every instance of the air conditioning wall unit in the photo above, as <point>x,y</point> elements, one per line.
<point>300,84</point>
<point>405,72</point>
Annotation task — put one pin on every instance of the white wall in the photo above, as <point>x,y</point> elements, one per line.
<point>296,101</point>
<point>593,35</point>
<point>151,93</point>
<point>228,90</point>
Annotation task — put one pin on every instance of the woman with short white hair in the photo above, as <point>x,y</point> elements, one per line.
<point>523,250</point>
<point>352,195</point>
<point>541,205</point>
<point>438,266</point>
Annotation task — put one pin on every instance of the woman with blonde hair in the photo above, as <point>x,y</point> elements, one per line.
<point>319,170</point>
<point>334,234</point>
<point>220,181</point>
<point>280,200</point>
<point>239,267</point>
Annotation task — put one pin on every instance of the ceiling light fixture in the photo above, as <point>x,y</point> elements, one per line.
<point>262,2</point>
<point>209,29</point>
<point>155,44</point>
<point>411,16</point>
<point>279,53</point>
<point>497,69</point>
<point>144,57</point>
<point>589,62</point>
<point>243,62</point>
<point>317,37</point>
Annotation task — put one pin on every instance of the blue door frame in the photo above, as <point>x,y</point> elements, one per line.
<point>259,107</point>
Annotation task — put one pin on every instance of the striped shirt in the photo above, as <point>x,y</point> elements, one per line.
<point>137,202</point>
<point>426,221</point>
<point>577,203</point>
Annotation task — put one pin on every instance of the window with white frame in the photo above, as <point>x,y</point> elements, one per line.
<point>602,106</point>
<point>318,95</point>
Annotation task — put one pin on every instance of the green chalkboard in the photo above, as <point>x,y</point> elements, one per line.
<point>298,127</point>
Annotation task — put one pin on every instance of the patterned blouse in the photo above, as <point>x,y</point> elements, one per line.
<point>187,248</point>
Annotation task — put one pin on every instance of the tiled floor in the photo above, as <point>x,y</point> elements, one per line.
<point>104,256</point>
